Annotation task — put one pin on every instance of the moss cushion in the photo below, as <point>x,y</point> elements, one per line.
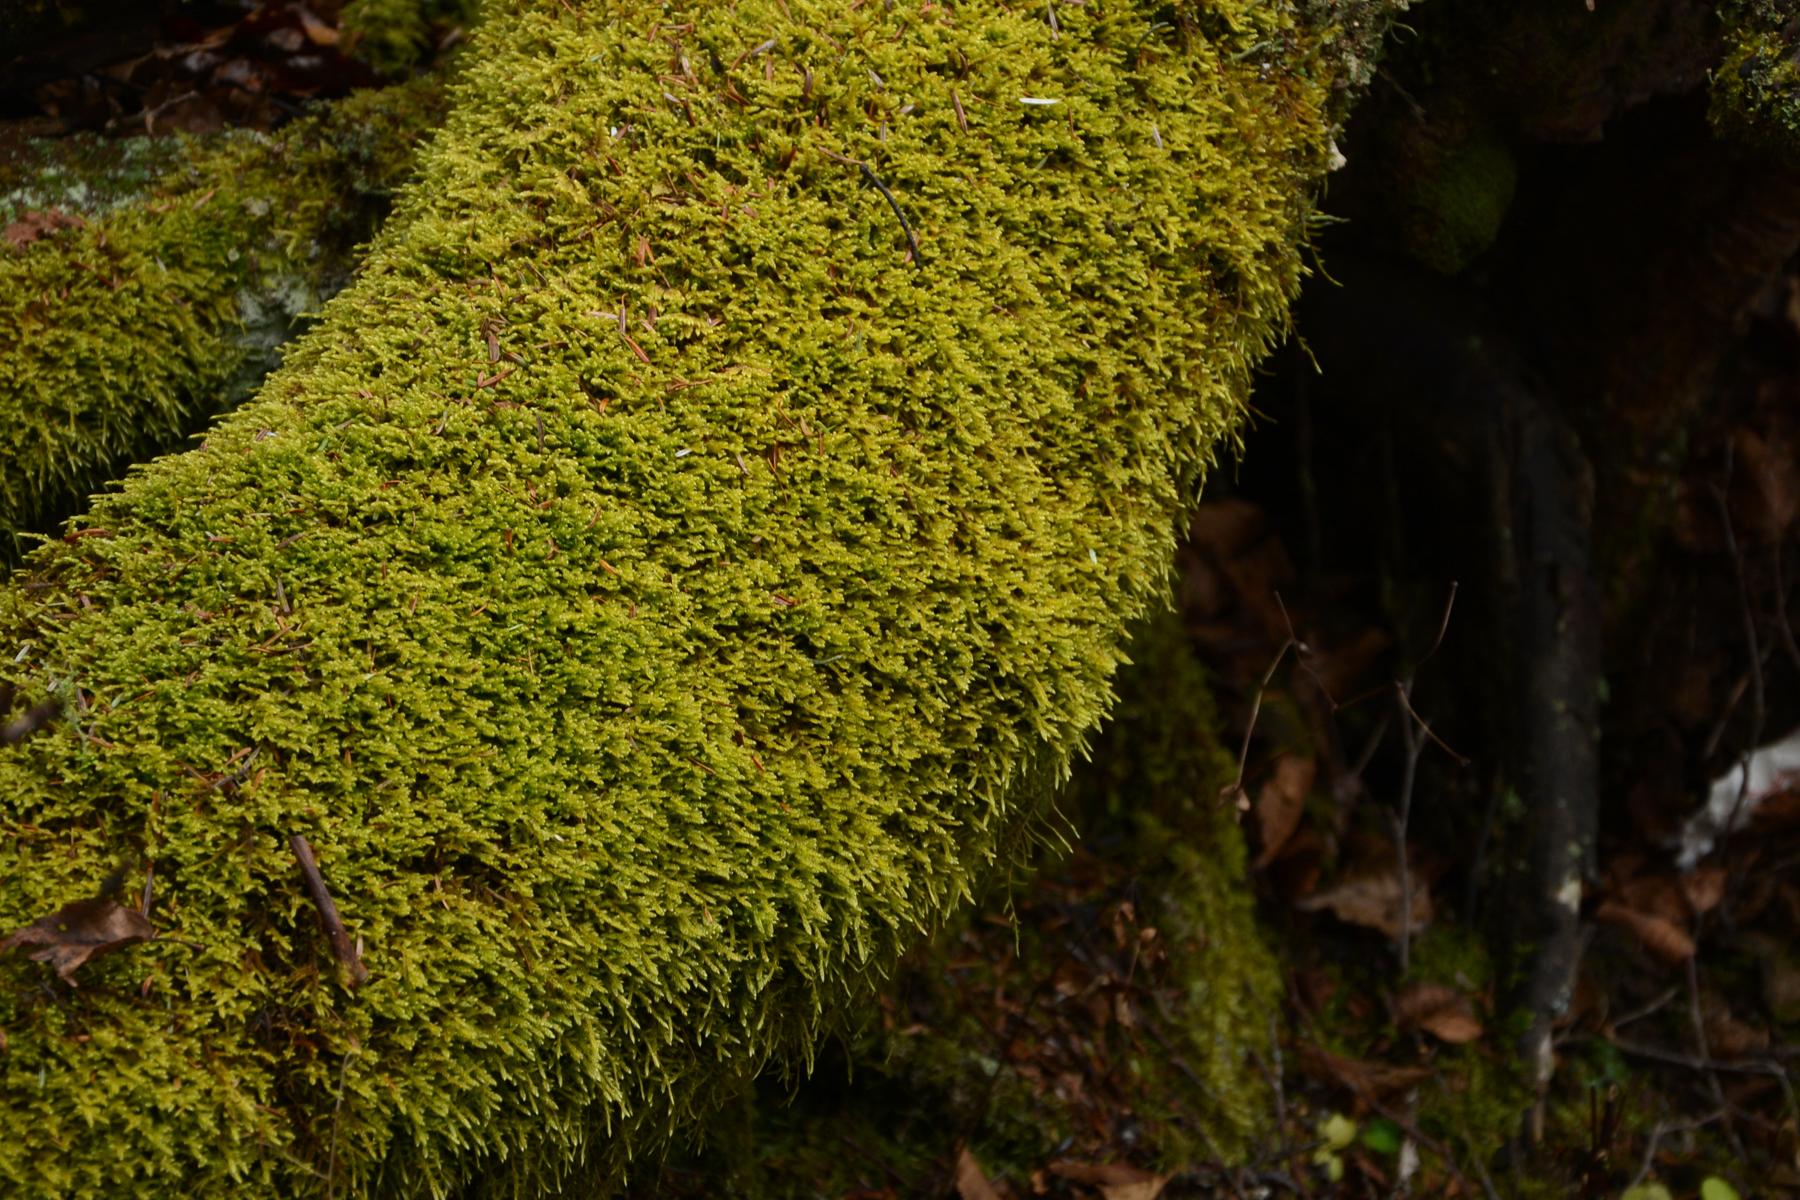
<point>655,591</point>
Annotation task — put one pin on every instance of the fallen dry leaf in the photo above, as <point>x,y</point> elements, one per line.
<point>1144,1189</point>
<point>1228,527</point>
<point>1657,894</point>
<point>1781,987</point>
<point>1116,1181</point>
<point>1660,936</point>
<point>77,932</point>
<point>1239,540</point>
<point>971,1181</point>
<point>1373,902</point>
<point>35,224</point>
<point>1765,493</point>
<point>1280,803</point>
<point>1340,669</point>
<point>1443,1012</point>
<point>317,32</point>
<point>1704,888</point>
<point>1378,1080</point>
<point>1726,1036</point>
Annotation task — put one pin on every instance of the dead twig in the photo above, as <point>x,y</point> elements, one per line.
<point>1782,625</point>
<point>1650,1009</point>
<point>1693,1062</point>
<point>1752,643</point>
<point>912,239</point>
<point>1659,1131</point>
<point>1415,734</point>
<point>868,173</point>
<point>1712,1076</point>
<point>341,947</point>
<point>1236,790</point>
<point>1415,747</point>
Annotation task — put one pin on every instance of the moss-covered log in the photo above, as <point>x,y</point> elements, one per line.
<point>658,590</point>
<point>147,307</point>
<point>1140,951</point>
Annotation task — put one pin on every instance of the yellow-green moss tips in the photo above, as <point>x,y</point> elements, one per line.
<point>652,595</point>
<point>125,333</point>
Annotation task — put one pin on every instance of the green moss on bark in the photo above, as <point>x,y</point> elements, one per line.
<point>170,301</point>
<point>655,597</point>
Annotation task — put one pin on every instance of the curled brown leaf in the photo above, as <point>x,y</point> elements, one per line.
<point>1441,1011</point>
<point>1280,803</point>
<point>1370,1079</point>
<point>1116,1181</point>
<point>37,223</point>
<point>971,1181</point>
<point>77,932</point>
<point>1372,901</point>
<point>1661,936</point>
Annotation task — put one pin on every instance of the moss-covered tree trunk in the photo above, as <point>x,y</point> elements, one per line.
<point>658,591</point>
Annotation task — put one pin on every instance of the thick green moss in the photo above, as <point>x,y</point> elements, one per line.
<point>1756,89</point>
<point>654,596</point>
<point>936,1064</point>
<point>1163,771</point>
<point>172,299</point>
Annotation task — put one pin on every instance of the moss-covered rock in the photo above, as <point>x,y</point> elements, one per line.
<point>656,590</point>
<point>165,288</point>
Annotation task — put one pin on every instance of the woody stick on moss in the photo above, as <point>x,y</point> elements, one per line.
<point>650,693</point>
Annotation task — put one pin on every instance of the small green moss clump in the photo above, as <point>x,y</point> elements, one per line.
<point>1163,770</point>
<point>1756,88</point>
<point>1458,201</point>
<point>170,300</point>
<point>655,589</point>
<point>394,36</point>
